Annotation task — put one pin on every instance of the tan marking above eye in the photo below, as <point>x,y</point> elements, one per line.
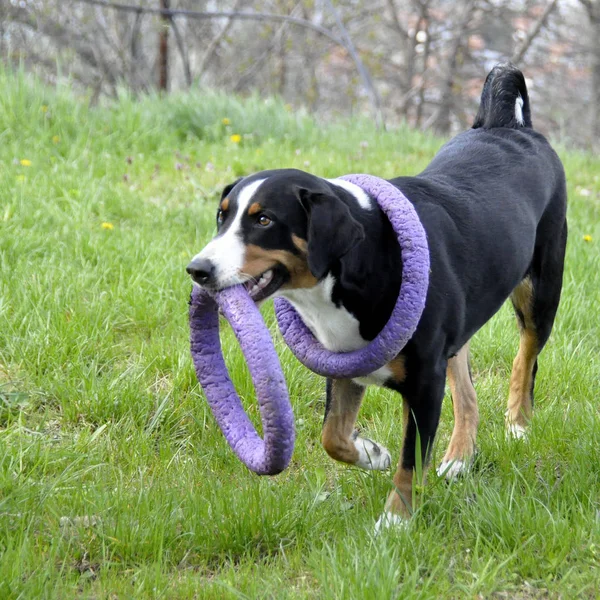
<point>225,204</point>
<point>254,208</point>
<point>300,243</point>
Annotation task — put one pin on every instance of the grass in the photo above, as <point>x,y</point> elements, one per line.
<point>114,479</point>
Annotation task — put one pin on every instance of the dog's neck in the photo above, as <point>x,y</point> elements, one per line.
<point>353,302</point>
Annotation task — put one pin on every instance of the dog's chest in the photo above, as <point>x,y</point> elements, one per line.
<point>333,326</point>
<point>336,328</point>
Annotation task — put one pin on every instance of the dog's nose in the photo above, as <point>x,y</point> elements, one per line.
<point>202,271</point>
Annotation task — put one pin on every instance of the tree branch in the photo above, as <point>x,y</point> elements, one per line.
<point>215,41</point>
<point>397,26</point>
<point>182,52</point>
<point>193,14</point>
<point>375,99</point>
<point>588,5</point>
<point>63,37</point>
<point>520,52</point>
<point>441,118</point>
<point>345,42</point>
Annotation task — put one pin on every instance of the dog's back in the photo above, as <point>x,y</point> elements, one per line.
<point>488,200</point>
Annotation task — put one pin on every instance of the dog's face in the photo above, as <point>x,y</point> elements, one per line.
<point>276,230</point>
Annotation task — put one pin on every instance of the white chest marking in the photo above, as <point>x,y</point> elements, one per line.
<point>333,326</point>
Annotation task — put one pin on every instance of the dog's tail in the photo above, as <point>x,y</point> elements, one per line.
<point>504,100</point>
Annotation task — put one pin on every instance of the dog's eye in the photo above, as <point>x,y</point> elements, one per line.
<point>264,221</point>
<point>220,217</point>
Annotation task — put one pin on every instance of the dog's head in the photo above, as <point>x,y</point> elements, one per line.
<point>281,229</point>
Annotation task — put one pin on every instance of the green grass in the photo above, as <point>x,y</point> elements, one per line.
<point>115,481</point>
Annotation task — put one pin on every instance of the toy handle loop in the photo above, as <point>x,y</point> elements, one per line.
<point>271,455</point>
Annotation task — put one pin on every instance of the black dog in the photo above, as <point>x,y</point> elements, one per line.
<point>493,204</point>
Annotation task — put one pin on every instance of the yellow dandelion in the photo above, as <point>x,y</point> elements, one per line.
<point>236,138</point>
<point>55,139</point>
<point>25,162</point>
<point>225,121</point>
<point>44,108</point>
<point>587,238</point>
<point>108,226</point>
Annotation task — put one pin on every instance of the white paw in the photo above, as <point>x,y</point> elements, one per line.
<point>516,431</point>
<point>389,520</point>
<point>372,456</point>
<point>451,469</point>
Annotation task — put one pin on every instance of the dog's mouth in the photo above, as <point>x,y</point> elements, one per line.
<point>266,284</point>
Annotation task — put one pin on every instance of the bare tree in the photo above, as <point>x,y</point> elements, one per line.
<point>422,61</point>
<point>441,119</point>
<point>592,8</point>
<point>520,52</point>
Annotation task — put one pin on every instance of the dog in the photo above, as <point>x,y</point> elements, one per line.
<point>493,206</point>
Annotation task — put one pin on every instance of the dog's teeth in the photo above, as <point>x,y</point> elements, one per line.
<point>261,284</point>
<point>265,279</point>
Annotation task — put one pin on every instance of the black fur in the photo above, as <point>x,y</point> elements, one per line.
<point>329,219</point>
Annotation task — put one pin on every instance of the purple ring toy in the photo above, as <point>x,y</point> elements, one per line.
<point>406,314</point>
<point>272,455</point>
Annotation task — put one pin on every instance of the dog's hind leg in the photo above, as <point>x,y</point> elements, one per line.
<point>535,301</point>
<point>339,439</point>
<point>461,449</point>
<point>522,378</point>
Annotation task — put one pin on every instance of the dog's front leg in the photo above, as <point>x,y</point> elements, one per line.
<point>339,439</point>
<point>422,406</point>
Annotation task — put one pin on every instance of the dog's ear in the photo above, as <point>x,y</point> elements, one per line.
<point>229,187</point>
<point>332,230</point>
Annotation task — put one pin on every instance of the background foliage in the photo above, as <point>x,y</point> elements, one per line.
<point>414,61</point>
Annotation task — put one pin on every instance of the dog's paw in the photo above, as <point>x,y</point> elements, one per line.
<point>516,431</point>
<point>389,520</point>
<point>372,456</point>
<point>452,469</point>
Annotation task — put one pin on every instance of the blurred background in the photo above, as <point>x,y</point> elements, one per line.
<point>416,61</point>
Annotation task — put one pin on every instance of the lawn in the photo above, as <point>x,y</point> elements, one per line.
<point>115,481</point>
